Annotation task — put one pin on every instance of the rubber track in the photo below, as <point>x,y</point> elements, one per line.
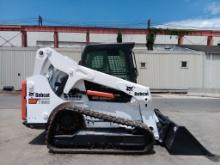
<point>105,117</point>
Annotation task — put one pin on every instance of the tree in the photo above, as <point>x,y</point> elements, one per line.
<point>119,37</point>
<point>150,38</point>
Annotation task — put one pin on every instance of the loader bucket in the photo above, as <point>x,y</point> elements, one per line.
<point>177,139</point>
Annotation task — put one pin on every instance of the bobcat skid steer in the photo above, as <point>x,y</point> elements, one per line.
<point>87,111</point>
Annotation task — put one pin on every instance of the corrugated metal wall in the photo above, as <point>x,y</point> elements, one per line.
<point>211,71</point>
<point>17,63</point>
<point>162,69</point>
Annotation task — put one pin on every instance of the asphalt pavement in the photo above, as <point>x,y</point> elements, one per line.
<point>20,145</point>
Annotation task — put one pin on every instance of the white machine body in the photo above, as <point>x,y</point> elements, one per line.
<point>41,99</point>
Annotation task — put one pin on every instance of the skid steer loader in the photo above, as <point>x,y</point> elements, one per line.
<point>84,110</point>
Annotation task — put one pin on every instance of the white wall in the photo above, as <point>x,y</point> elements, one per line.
<point>14,37</point>
<point>195,40</point>
<point>71,40</point>
<point>138,38</point>
<point>72,37</point>
<point>216,40</point>
<point>15,61</point>
<point>166,39</point>
<point>163,69</point>
<point>103,37</point>
<point>33,37</point>
<point>212,71</point>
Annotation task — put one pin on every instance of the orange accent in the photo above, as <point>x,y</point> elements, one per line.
<point>23,100</point>
<point>100,94</point>
<point>32,101</point>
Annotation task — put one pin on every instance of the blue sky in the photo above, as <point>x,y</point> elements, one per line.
<point>131,13</point>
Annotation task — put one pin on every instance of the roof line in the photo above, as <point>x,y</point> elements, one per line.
<point>93,29</point>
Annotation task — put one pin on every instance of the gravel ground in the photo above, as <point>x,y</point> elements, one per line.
<point>20,145</point>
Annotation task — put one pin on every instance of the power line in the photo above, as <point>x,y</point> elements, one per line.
<point>113,23</point>
<point>49,21</point>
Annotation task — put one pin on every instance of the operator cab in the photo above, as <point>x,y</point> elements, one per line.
<point>113,59</point>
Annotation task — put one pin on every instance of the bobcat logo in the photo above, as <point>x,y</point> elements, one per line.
<point>129,88</point>
<point>31,93</point>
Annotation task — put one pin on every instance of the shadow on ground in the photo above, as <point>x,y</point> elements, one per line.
<point>39,140</point>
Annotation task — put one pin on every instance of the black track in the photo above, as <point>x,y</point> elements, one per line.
<point>143,131</point>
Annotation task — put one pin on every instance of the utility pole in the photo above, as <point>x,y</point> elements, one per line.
<point>148,24</point>
<point>40,21</point>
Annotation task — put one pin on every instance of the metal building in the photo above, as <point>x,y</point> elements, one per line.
<point>17,63</point>
<point>177,69</point>
<point>170,70</point>
<point>185,67</point>
<point>68,36</point>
